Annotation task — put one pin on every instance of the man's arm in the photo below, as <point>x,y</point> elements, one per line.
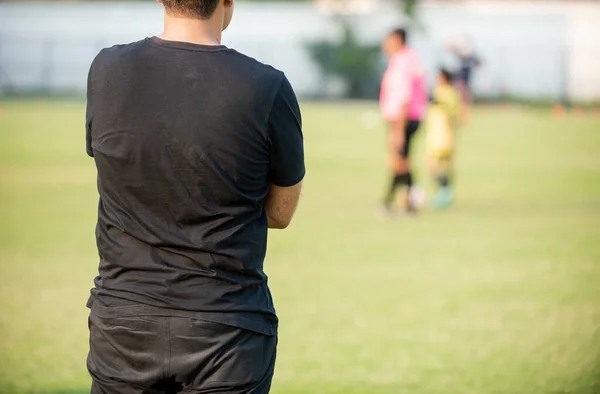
<point>88,115</point>
<point>287,158</point>
<point>281,204</point>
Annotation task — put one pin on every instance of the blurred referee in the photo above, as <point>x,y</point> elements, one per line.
<point>403,102</point>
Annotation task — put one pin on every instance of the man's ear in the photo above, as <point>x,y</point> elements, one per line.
<point>159,1</point>
<point>228,6</point>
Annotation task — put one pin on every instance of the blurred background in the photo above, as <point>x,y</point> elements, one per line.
<point>498,294</point>
<point>533,50</point>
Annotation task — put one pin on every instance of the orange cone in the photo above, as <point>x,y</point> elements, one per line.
<point>559,110</point>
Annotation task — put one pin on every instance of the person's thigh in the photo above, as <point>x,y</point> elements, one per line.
<point>126,354</point>
<point>210,357</point>
<point>432,164</point>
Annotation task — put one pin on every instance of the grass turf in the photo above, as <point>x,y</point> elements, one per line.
<point>500,294</point>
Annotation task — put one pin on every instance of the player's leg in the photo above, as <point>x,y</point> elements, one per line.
<point>126,354</point>
<point>211,357</point>
<point>432,166</point>
<point>444,197</point>
<point>395,165</point>
<point>405,175</point>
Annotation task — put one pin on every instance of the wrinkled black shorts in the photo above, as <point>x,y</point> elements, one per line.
<point>163,354</point>
<point>412,126</point>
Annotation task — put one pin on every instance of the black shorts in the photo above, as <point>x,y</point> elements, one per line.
<point>162,354</point>
<point>412,126</point>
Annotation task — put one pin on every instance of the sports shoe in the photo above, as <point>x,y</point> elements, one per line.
<point>443,198</point>
<point>387,211</point>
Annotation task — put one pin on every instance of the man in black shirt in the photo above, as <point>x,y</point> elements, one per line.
<point>199,150</point>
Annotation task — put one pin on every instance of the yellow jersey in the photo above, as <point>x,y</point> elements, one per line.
<point>441,121</point>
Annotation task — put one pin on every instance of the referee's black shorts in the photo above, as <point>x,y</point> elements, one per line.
<point>164,355</point>
<point>412,126</point>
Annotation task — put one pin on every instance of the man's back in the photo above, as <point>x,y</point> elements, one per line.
<point>199,150</point>
<point>187,140</point>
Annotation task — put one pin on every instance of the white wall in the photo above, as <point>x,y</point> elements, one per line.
<point>583,36</point>
<point>529,49</point>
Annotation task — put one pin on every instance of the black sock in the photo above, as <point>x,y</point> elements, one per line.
<point>397,180</point>
<point>409,179</point>
<point>443,180</point>
<point>389,197</point>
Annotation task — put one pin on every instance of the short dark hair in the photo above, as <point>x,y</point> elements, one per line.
<point>448,76</point>
<point>401,34</point>
<point>198,9</point>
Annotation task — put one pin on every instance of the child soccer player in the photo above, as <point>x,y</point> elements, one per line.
<point>442,123</point>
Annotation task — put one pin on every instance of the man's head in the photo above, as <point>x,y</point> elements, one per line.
<point>200,9</point>
<point>394,42</point>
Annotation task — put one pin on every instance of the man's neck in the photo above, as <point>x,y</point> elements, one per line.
<point>195,31</point>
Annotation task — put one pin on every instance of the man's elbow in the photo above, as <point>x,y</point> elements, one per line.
<point>281,205</point>
<point>279,223</point>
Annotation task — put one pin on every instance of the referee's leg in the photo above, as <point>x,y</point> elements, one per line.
<point>405,171</point>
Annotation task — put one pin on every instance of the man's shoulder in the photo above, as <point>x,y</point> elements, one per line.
<point>250,64</point>
<point>122,48</point>
<point>110,54</point>
<point>414,56</point>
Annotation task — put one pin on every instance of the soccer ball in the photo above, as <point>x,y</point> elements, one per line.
<point>417,197</point>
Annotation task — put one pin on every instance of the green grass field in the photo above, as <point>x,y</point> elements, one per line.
<point>498,295</point>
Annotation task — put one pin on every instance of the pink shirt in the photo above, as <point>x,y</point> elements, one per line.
<point>404,83</point>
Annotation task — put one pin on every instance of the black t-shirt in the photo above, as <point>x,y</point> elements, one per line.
<point>187,140</point>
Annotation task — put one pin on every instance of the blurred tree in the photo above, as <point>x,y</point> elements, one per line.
<point>409,7</point>
<point>356,64</point>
